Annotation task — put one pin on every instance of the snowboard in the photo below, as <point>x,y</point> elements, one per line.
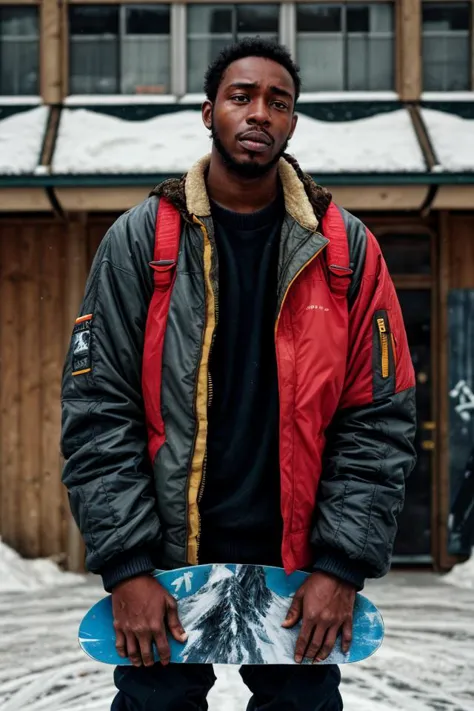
<point>232,615</point>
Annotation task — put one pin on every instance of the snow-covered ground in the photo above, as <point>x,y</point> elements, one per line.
<point>426,662</point>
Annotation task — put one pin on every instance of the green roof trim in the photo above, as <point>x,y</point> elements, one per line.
<point>150,180</point>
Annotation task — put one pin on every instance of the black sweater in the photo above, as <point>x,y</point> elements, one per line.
<point>240,508</point>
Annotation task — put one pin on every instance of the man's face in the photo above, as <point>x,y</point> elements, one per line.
<point>252,119</point>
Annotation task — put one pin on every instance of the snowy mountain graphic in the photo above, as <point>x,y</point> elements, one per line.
<point>233,615</point>
<point>236,618</point>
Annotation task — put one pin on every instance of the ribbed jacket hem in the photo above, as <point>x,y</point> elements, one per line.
<point>126,566</point>
<point>342,567</point>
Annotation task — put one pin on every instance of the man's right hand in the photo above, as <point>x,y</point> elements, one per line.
<point>142,610</point>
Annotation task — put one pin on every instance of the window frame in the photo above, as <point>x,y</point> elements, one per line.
<point>26,98</point>
<point>234,31</point>
<point>408,78</point>
<point>345,36</point>
<point>447,92</point>
<point>121,34</point>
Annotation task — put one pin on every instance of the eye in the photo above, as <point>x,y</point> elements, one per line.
<point>240,98</point>
<point>280,105</point>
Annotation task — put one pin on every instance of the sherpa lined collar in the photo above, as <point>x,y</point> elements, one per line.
<point>305,201</point>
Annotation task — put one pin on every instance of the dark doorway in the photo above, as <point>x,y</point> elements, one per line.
<point>414,535</point>
<point>409,253</point>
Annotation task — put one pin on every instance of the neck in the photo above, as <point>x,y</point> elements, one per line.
<point>236,193</point>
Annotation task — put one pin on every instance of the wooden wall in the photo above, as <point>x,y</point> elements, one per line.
<point>43,268</point>
<point>461,251</point>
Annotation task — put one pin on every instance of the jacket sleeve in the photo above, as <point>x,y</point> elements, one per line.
<point>370,444</point>
<point>107,473</point>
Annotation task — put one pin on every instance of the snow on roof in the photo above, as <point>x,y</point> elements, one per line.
<point>21,138</point>
<point>452,138</point>
<point>89,142</point>
<point>384,143</point>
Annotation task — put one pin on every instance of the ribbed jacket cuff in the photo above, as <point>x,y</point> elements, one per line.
<point>342,567</point>
<point>128,565</point>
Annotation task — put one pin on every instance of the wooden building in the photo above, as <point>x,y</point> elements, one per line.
<point>90,94</point>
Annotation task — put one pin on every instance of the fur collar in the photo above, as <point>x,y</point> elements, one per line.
<point>305,201</point>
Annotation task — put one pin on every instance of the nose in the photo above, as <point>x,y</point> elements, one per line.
<point>258,112</point>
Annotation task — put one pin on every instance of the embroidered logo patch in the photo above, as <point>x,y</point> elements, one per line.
<point>81,345</point>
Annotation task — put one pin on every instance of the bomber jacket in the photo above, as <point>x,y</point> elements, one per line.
<point>134,409</point>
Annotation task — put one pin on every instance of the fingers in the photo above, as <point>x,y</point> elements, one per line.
<point>133,651</point>
<point>346,635</point>
<point>144,641</point>
<point>173,621</point>
<point>120,643</point>
<point>303,640</point>
<point>162,646</point>
<point>316,641</point>
<point>136,646</point>
<point>325,649</point>
<point>295,611</point>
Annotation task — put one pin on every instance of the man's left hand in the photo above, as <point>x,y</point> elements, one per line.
<point>326,604</point>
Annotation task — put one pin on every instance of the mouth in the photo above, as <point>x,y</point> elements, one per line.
<point>255,141</point>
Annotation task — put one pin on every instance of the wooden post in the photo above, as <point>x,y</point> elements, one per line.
<point>447,280</point>
<point>50,51</point>
<point>28,307</point>
<point>52,358</point>
<point>409,49</point>
<point>76,275</point>
<point>9,384</point>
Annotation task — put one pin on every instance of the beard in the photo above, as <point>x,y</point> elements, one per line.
<point>249,169</point>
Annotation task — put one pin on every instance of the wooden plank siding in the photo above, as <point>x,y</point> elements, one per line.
<point>10,336</point>
<point>53,326</point>
<point>43,268</point>
<point>461,251</point>
<point>28,479</point>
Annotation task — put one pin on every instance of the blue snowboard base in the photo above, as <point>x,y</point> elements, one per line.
<point>232,615</point>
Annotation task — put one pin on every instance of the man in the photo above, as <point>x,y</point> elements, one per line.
<point>261,411</point>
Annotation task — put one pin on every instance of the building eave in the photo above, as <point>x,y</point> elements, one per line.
<point>329,179</point>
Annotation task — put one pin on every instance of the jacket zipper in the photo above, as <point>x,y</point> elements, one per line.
<point>210,393</point>
<point>204,464</point>
<point>384,348</point>
<point>394,349</point>
<point>279,314</point>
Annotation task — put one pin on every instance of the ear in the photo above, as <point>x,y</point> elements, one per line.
<point>206,111</point>
<point>294,121</point>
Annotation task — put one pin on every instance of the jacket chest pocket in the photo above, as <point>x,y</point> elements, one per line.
<point>383,357</point>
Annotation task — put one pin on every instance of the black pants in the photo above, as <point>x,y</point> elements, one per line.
<point>184,687</point>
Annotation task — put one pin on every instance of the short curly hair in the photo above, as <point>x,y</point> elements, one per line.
<point>249,47</point>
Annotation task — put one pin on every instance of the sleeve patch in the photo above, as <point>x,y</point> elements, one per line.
<point>81,345</point>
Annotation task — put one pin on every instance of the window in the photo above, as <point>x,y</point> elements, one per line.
<point>406,253</point>
<point>212,27</point>
<point>119,49</point>
<point>19,50</point>
<point>446,46</point>
<point>346,47</point>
